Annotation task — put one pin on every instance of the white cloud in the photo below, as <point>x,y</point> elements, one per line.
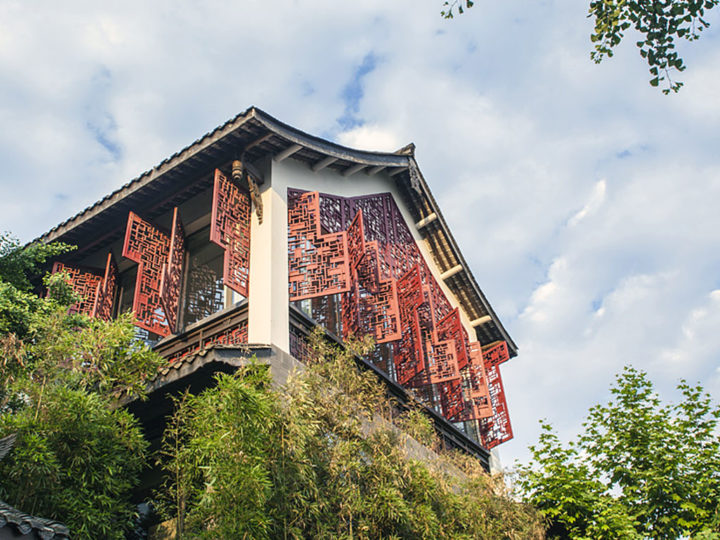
<point>376,138</point>
<point>596,200</point>
<point>695,351</point>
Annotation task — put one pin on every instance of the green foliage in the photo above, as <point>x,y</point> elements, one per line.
<point>639,464</point>
<point>565,489</point>
<point>15,309</point>
<point>41,342</point>
<point>88,353</point>
<point>21,311</point>
<point>448,11</point>
<point>218,447</point>
<point>322,458</point>
<point>658,22</point>
<point>18,267</point>
<point>18,264</point>
<point>75,459</point>
<point>418,426</point>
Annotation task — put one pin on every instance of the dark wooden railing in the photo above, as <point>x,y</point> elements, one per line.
<point>226,327</point>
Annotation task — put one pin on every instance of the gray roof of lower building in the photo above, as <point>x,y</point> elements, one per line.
<point>24,524</point>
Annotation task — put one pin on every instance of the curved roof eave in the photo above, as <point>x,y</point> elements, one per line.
<point>252,117</point>
<point>329,149</point>
<point>466,273</point>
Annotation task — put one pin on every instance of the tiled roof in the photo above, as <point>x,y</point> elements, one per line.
<point>23,524</point>
<point>6,444</point>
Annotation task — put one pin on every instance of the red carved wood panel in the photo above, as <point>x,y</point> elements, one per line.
<point>441,361</point>
<point>441,306</point>
<point>371,304</point>
<point>318,263</point>
<point>496,429</point>
<point>402,250</point>
<point>375,311</point>
<point>379,310</point>
<point>477,401</point>
<point>384,224</point>
<point>496,353</point>
<point>334,211</point>
<point>236,336</point>
<point>393,293</point>
<point>171,281</point>
<point>230,229</point>
<point>356,241</point>
<point>106,289</point>
<point>408,352</point>
<point>149,247</point>
<point>450,328</point>
<point>84,283</point>
<point>451,399</point>
<point>440,355</point>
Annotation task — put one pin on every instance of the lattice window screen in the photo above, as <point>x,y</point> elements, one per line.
<point>106,289</point>
<point>230,229</point>
<point>84,283</point>
<point>361,247</point>
<point>149,247</point>
<point>172,273</point>
<point>318,263</point>
<point>496,429</point>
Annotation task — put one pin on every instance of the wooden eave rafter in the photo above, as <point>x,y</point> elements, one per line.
<point>447,255</point>
<point>256,134</point>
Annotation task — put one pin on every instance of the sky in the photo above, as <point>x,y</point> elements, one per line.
<point>584,200</point>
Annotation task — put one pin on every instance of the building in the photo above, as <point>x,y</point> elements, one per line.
<point>257,232</point>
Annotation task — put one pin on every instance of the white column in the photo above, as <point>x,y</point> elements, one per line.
<point>268,319</point>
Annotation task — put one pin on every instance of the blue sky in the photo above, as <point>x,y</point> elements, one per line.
<point>585,201</point>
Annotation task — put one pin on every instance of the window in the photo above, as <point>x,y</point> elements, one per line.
<point>126,295</point>
<point>203,290</point>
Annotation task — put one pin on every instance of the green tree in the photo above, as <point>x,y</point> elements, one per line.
<point>220,445</point>
<point>76,456</point>
<point>75,459</point>
<point>657,23</point>
<point>639,464</point>
<point>323,457</point>
<point>18,264</point>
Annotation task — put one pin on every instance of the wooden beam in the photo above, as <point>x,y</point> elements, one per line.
<point>289,151</point>
<point>257,141</point>
<point>450,273</point>
<point>482,320</point>
<point>320,165</point>
<point>375,170</point>
<point>254,172</point>
<point>427,220</point>
<point>197,225</point>
<point>396,170</point>
<point>352,170</point>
